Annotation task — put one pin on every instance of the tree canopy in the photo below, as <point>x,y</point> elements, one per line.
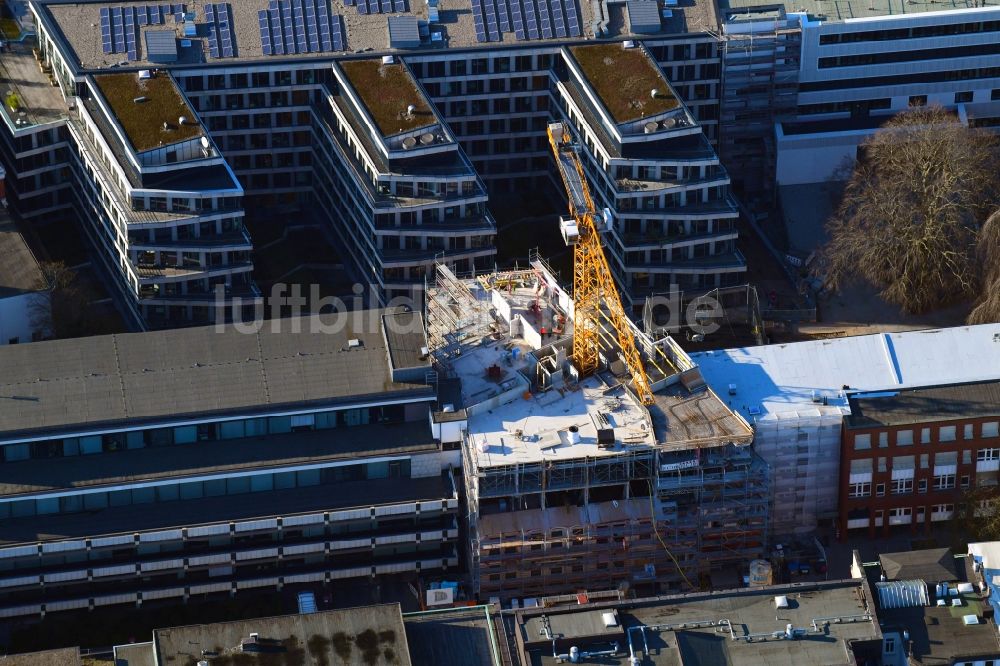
<point>915,219</point>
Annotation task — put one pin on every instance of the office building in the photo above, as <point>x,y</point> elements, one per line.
<point>910,456</point>
<point>297,126</point>
<point>177,464</point>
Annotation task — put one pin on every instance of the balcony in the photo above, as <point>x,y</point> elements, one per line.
<point>729,260</point>
<point>653,241</point>
<point>391,257</point>
<point>231,240</point>
<point>630,185</point>
<point>482,224</point>
<point>147,272</point>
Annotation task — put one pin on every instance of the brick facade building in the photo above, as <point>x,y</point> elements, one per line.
<point>908,457</point>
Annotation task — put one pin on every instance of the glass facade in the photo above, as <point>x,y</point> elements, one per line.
<point>185,490</point>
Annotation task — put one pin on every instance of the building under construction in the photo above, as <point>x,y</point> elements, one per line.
<point>572,483</point>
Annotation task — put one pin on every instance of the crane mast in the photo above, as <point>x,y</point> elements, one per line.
<point>593,283</point>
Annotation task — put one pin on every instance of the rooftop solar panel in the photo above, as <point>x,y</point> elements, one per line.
<point>386,6</point>
<point>399,5</point>
<point>105,12</point>
<point>503,15</point>
<point>272,5</point>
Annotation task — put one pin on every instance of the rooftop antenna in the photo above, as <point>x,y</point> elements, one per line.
<point>410,109</point>
<point>653,93</point>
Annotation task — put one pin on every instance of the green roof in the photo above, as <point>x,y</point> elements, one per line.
<point>387,91</point>
<point>623,79</point>
<point>143,121</point>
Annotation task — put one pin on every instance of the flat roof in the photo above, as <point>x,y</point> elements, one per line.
<point>143,123</point>
<point>778,381</point>
<point>856,10</point>
<point>166,376</point>
<point>135,654</point>
<point>624,79</point>
<point>938,634</point>
<point>58,657</point>
<point>362,636</point>
<point>451,637</point>
<point>923,405</point>
<point>932,564</point>
<point>536,428</point>
<point>706,642</point>
<point>387,90</point>
<point>685,419</point>
<point>406,350</point>
<point>19,270</point>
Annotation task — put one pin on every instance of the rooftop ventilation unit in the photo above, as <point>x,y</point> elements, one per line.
<point>354,343</point>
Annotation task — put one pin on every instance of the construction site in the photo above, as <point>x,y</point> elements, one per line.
<point>572,484</point>
<point>594,456</point>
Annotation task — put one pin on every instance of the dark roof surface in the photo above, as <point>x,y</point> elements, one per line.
<point>165,375</point>
<point>19,270</point>
<point>363,636</point>
<point>931,565</point>
<point>923,405</point>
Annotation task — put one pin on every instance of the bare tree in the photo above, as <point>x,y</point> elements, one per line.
<point>912,212</point>
<point>987,310</point>
<point>67,312</point>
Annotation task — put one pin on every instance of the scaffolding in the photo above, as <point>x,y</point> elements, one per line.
<point>761,54</point>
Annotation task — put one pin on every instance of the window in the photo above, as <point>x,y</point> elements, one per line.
<point>860,490</point>
<point>991,429</point>
<point>965,481</point>
<point>944,482</point>
<point>925,435</point>
<point>963,96</point>
<point>967,431</point>
<point>883,440</point>
<point>922,486</point>
<point>946,434</point>
<point>918,100</point>
<point>902,486</point>
<point>987,454</point>
<point>904,438</point>
<point>862,442</point>
<point>880,490</point>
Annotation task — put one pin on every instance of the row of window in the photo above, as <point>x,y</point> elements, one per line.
<point>915,32</point>
<point>887,57</point>
<point>905,486</point>
<point>863,441</point>
<point>170,492</point>
<point>203,432</point>
<point>902,79</point>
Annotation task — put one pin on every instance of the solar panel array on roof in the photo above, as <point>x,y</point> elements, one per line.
<point>291,27</point>
<point>120,27</point>
<point>219,16</point>
<point>378,6</point>
<point>527,19</point>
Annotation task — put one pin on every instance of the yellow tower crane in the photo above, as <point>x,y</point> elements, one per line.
<point>592,280</point>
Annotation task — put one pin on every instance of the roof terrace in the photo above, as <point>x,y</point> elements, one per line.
<point>624,79</point>
<point>30,96</point>
<point>156,120</point>
<point>387,91</point>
